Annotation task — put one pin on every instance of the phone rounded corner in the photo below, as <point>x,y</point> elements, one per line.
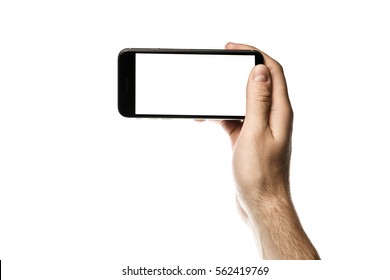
<point>125,50</point>
<point>258,57</point>
<point>122,111</point>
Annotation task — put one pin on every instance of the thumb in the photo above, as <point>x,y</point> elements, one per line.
<point>258,98</point>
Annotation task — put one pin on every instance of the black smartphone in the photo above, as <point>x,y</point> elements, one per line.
<point>184,83</point>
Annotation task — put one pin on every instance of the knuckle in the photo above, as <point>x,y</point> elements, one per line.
<point>262,95</point>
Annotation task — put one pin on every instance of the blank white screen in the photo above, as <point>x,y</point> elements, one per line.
<point>192,84</point>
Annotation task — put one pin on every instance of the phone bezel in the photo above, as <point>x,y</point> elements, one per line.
<point>126,79</point>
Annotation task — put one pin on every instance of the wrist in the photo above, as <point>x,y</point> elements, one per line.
<point>264,190</point>
<point>265,199</point>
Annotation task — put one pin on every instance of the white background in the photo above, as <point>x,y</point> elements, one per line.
<point>191,84</point>
<point>85,192</point>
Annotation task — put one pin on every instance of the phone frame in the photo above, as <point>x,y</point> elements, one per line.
<point>126,78</point>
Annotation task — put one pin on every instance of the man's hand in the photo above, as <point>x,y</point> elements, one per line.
<point>261,162</point>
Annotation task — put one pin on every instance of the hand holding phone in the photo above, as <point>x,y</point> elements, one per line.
<point>215,84</point>
<point>183,83</point>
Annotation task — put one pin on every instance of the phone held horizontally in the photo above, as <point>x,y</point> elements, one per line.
<point>184,83</point>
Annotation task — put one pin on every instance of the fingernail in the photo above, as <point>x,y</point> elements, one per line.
<point>260,73</point>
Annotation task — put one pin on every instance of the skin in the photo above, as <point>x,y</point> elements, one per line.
<point>261,162</point>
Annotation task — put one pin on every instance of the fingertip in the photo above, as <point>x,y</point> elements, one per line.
<point>229,45</point>
<point>260,73</point>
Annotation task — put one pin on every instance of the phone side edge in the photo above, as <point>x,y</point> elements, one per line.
<point>126,83</point>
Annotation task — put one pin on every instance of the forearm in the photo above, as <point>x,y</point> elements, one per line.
<point>277,229</point>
